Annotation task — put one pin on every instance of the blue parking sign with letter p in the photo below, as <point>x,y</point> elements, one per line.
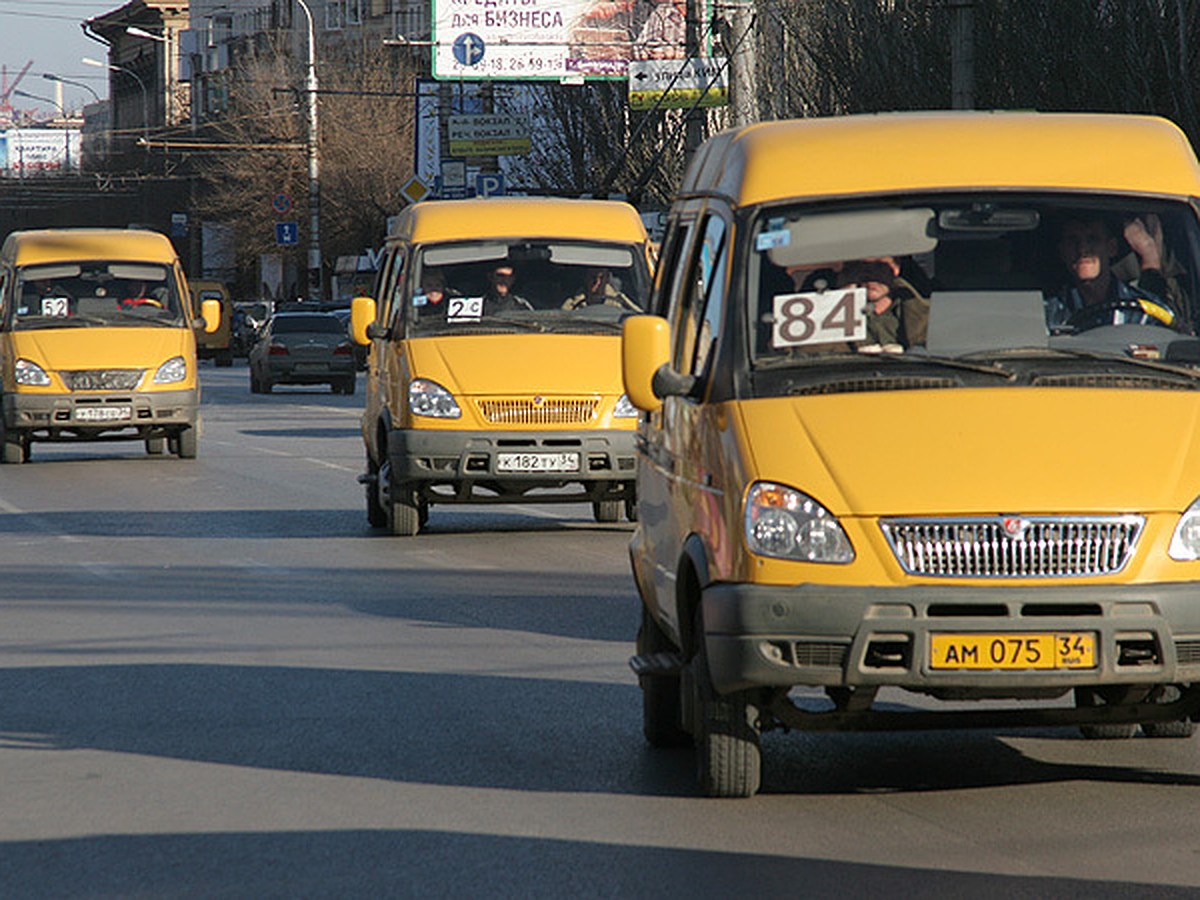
<point>489,184</point>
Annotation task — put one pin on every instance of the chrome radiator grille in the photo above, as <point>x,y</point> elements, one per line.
<point>538,410</point>
<point>1014,547</point>
<point>103,379</point>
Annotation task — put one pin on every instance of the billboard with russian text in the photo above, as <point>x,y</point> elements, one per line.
<point>556,39</point>
<point>30,152</point>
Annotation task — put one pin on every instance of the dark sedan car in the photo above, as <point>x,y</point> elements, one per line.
<point>303,348</point>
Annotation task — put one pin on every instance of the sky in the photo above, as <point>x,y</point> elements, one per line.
<point>48,32</point>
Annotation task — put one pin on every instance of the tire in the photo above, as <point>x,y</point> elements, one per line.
<point>255,386</point>
<point>606,510</point>
<point>265,385</point>
<point>187,445</point>
<point>224,359</point>
<point>405,518</point>
<point>376,514</point>
<point>728,754</point>
<point>631,510</point>
<point>1181,729</point>
<point>156,446</point>
<point>662,709</point>
<point>1102,732</point>
<point>16,451</point>
<point>348,386</point>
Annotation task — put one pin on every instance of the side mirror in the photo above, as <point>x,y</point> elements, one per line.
<point>645,363</point>
<point>210,311</point>
<point>362,321</point>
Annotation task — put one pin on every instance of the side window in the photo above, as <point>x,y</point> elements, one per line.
<point>702,306</point>
<point>4,282</point>
<point>387,278</point>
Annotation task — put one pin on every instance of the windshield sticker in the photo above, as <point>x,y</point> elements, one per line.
<point>420,300</point>
<point>464,309</point>
<point>819,318</point>
<point>768,240</point>
<point>56,306</point>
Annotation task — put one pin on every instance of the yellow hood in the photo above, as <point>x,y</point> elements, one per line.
<point>471,365</point>
<point>1002,450</point>
<point>57,349</point>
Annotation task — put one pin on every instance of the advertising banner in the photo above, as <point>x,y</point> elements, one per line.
<point>678,84</point>
<point>555,39</point>
<point>32,152</point>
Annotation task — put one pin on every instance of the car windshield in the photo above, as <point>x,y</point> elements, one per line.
<point>979,279</point>
<point>94,293</point>
<point>523,285</point>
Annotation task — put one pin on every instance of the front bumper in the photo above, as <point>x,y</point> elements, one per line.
<point>48,416</point>
<point>468,463</point>
<point>759,635</point>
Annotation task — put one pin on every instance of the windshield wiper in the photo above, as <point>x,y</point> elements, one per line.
<point>57,321</point>
<point>1154,364</point>
<point>843,359</point>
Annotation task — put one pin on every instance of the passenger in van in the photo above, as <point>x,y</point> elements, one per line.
<point>500,296</point>
<point>598,290</point>
<point>1093,295</point>
<point>1150,254</point>
<point>434,290</point>
<point>899,315</point>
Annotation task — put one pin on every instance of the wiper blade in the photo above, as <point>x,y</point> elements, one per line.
<point>859,359</point>
<point>57,321</point>
<point>1153,364</point>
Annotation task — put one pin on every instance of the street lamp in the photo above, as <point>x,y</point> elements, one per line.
<point>314,164</point>
<point>141,84</point>
<point>50,76</point>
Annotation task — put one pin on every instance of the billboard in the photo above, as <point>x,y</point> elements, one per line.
<point>555,39</point>
<point>30,152</point>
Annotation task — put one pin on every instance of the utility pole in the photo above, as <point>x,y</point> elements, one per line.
<point>693,134</point>
<point>962,53</point>
<point>741,46</point>
<point>315,286</point>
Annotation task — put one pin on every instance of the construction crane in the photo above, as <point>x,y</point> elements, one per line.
<point>6,89</point>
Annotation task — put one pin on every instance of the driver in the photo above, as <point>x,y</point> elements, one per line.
<point>1094,295</point>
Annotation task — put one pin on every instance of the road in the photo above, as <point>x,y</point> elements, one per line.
<point>215,680</point>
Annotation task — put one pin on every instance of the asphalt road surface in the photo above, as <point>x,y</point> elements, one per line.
<point>217,681</point>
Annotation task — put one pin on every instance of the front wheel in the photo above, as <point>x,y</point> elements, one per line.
<point>405,514</point>
<point>156,446</point>
<point>1116,731</point>
<point>606,510</point>
<point>187,445</point>
<point>15,446</point>
<point>728,754</point>
<point>376,514</point>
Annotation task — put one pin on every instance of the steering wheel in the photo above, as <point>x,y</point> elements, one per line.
<point>1127,311</point>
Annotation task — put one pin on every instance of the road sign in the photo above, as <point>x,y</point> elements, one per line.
<point>415,190</point>
<point>489,184</point>
<point>468,49</point>
<point>287,233</point>
<point>281,203</point>
<point>678,84</point>
<point>489,134</point>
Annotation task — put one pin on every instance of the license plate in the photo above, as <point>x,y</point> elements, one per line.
<point>103,413</point>
<point>537,462</point>
<point>312,367</point>
<point>1049,650</point>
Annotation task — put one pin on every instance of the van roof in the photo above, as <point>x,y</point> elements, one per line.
<point>25,248</point>
<point>900,152</point>
<point>506,217</point>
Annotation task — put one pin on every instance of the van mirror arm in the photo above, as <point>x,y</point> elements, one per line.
<point>669,383</point>
<point>375,331</point>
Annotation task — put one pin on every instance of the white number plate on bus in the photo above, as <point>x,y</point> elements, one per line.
<point>822,317</point>
<point>103,413</point>
<point>537,462</point>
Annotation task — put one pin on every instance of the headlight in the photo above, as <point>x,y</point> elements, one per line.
<point>30,373</point>
<point>428,398</point>
<point>172,371</point>
<point>1185,542</point>
<point>624,409</point>
<point>785,523</point>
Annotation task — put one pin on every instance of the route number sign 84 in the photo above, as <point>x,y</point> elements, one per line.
<point>819,318</point>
